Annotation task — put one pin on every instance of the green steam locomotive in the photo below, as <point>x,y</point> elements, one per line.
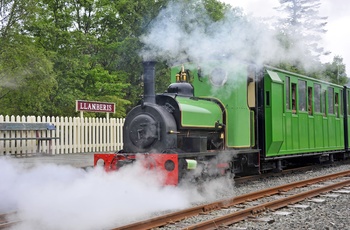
<point>240,119</point>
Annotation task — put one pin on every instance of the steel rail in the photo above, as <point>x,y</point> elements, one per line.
<point>8,225</point>
<point>183,214</point>
<point>4,222</point>
<point>245,179</point>
<point>273,205</point>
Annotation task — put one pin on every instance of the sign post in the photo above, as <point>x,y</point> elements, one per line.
<point>94,106</point>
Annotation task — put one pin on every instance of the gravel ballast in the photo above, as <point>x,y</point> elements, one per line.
<point>332,213</point>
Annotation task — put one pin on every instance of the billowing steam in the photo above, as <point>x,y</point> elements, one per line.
<point>59,197</point>
<point>181,33</point>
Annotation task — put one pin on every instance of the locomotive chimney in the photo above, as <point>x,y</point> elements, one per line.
<point>149,94</point>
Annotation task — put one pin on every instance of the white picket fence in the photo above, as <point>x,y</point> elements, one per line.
<point>76,135</point>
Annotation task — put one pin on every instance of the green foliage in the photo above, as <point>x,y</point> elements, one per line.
<point>162,77</point>
<point>26,78</point>
<point>335,71</point>
<point>216,10</point>
<point>54,52</point>
<point>87,49</point>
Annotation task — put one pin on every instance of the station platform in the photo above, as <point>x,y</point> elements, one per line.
<point>79,160</point>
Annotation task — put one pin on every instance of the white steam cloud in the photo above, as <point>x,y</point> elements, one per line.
<point>180,33</point>
<point>57,197</point>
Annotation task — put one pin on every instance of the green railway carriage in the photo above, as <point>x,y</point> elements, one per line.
<point>302,115</point>
<point>346,99</point>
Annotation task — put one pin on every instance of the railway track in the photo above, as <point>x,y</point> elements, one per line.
<point>7,220</point>
<point>277,197</point>
<point>248,179</point>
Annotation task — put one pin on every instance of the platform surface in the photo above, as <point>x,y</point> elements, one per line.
<point>73,159</point>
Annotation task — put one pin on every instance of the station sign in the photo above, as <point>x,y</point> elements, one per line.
<point>95,106</point>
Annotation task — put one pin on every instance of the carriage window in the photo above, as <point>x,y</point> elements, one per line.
<point>318,100</point>
<point>287,93</point>
<point>302,95</point>
<point>323,103</point>
<point>309,99</point>
<point>294,97</point>
<point>330,100</point>
<point>348,101</point>
<point>336,104</point>
<point>341,103</point>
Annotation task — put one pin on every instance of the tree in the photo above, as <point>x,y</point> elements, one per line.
<point>302,27</point>
<point>335,72</point>
<point>26,72</point>
<point>26,78</point>
<point>76,49</point>
<point>71,31</point>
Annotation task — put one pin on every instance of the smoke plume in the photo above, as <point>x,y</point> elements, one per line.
<point>47,196</point>
<point>183,32</point>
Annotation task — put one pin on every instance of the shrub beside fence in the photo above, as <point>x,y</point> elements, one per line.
<point>76,135</point>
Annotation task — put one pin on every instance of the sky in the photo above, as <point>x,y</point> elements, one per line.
<point>336,40</point>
